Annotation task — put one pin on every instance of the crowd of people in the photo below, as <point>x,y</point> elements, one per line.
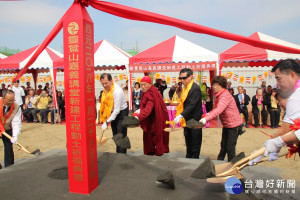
<point>41,101</point>
<point>151,111</point>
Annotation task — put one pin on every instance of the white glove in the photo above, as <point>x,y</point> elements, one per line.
<point>177,119</point>
<point>203,121</point>
<point>14,139</point>
<point>138,111</point>
<point>255,160</point>
<point>273,145</point>
<point>104,126</point>
<point>273,156</point>
<point>136,117</point>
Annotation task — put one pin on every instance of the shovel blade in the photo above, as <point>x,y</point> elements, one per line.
<point>173,129</point>
<point>230,172</point>
<point>223,179</point>
<point>220,168</point>
<point>102,141</point>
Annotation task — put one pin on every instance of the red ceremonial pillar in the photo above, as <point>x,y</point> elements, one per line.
<point>80,100</point>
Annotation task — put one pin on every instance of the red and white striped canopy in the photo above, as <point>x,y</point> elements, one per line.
<point>108,56</point>
<point>49,58</point>
<point>242,52</point>
<point>175,52</point>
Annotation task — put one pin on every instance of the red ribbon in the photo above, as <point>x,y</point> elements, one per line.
<point>296,125</point>
<point>293,149</point>
<point>266,134</point>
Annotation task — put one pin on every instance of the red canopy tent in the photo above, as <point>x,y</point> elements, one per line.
<point>243,54</point>
<point>253,63</point>
<point>49,58</point>
<point>173,54</point>
<point>48,61</point>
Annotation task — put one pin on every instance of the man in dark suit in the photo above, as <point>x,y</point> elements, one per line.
<point>190,107</point>
<point>242,100</point>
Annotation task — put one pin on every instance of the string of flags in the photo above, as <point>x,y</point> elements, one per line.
<point>242,79</point>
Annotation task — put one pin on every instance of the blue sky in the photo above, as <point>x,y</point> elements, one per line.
<point>25,24</point>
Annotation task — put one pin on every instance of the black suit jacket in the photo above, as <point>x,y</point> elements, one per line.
<point>192,107</point>
<point>246,98</point>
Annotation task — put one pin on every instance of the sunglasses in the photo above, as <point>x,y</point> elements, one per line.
<point>183,78</point>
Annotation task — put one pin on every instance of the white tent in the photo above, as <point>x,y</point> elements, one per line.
<point>2,56</point>
<point>109,57</point>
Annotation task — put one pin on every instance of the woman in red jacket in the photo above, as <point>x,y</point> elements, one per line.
<point>226,108</point>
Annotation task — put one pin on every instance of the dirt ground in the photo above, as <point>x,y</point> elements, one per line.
<point>46,137</point>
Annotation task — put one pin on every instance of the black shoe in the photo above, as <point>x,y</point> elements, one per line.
<point>272,127</point>
<point>0,166</point>
<point>276,126</point>
<point>246,125</point>
<point>52,123</point>
<point>35,121</point>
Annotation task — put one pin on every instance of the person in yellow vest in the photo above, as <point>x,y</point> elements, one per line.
<point>190,107</point>
<point>10,122</point>
<point>113,107</point>
<point>43,101</point>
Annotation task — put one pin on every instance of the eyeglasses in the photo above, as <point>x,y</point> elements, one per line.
<point>183,78</point>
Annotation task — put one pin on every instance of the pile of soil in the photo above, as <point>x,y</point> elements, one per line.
<point>130,122</point>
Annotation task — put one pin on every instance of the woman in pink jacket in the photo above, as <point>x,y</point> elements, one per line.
<point>226,108</point>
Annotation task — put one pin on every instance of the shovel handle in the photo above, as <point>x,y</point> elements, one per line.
<point>17,143</point>
<point>250,157</point>
<point>102,131</point>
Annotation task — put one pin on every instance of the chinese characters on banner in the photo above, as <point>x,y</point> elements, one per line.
<point>80,101</point>
<point>167,67</point>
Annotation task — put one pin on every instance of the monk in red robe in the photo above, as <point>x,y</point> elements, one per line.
<point>153,115</point>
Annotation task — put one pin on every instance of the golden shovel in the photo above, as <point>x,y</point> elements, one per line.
<point>101,140</point>
<point>173,127</point>
<point>235,172</point>
<point>37,151</point>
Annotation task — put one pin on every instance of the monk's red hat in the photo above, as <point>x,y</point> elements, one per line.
<point>146,79</point>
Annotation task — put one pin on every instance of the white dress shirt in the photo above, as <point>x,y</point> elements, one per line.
<point>292,107</point>
<point>16,122</point>
<point>19,92</point>
<point>119,103</point>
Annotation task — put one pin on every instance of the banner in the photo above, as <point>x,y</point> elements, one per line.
<point>229,74</point>
<point>133,79</point>
<point>235,77</point>
<point>173,79</point>
<point>116,78</point>
<point>174,67</point>
<point>242,79</point>
<point>168,79</point>
<point>248,80</point>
